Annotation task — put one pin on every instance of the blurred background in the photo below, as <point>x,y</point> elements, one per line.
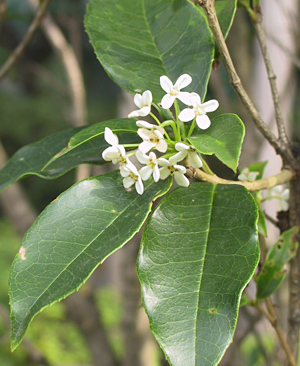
<point>58,83</point>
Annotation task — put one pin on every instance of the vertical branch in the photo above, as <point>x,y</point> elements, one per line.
<point>3,8</point>
<point>30,33</point>
<point>272,79</point>
<point>279,146</point>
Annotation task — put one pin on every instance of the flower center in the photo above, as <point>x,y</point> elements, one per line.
<point>174,92</point>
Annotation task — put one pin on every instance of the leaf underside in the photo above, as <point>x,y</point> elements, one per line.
<point>71,237</point>
<point>138,41</point>
<point>198,252</point>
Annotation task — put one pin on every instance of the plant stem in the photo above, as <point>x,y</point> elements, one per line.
<point>192,128</point>
<point>261,36</point>
<point>283,177</point>
<point>206,168</point>
<point>177,111</point>
<point>155,118</point>
<point>273,319</point>
<point>281,148</point>
<point>28,36</point>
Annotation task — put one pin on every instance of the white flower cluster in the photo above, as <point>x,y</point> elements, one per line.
<point>156,137</point>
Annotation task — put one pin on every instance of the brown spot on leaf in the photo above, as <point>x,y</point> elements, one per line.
<point>212,311</point>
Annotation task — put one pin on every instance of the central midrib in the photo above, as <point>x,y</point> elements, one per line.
<point>200,282</point>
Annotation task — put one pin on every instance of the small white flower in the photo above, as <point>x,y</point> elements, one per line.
<point>151,165</point>
<point>282,194</point>
<point>170,167</point>
<point>247,176</point>
<point>144,103</point>
<point>187,151</point>
<point>198,111</point>
<point>152,138</point>
<point>115,153</point>
<point>132,176</point>
<point>150,126</point>
<point>173,91</point>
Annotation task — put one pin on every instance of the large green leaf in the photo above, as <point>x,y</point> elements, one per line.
<point>71,237</point>
<point>138,41</point>
<point>125,128</point>
<point>223,138</point>
<point>32,158</point>
<point>198,252</point>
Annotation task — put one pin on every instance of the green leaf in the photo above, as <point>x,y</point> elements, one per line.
<point>259,168</point>
<point>225,11</point>
<point>262,224</point>
<point>126,129</point>
<point>273,271</point>
<point>198,252</point>
<point>138,41</point>
<point>31,159</point>
<point>223,138</point>
<point>71,237</point>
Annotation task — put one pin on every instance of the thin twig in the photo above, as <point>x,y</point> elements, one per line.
<point>279,146</point>
<point>30,33</point>
<point>283,177</point>
<point>261,36</point>
<point>3,9</point>
<point>271,315</point>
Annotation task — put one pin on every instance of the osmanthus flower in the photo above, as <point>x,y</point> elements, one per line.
<point>170,167</point>
<point>282,194</point>
<point>152,136</point>
<point>143,101</point>
<point>247,176</point>
<point>132,177</point>
<point>115,153</point>
<point>173,91</point>
<point>198,111</point>
<point>187,151</point>
<point>151,165</point>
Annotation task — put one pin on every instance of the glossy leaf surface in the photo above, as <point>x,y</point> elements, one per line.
<point>198,252</point>
<point>31,159</point>
<point>138,41</point>
<point>223,138</point>
<point>71,237</point>
<point>273,271</point>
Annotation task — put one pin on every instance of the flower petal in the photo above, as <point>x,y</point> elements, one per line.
<point>145,134</point>
<point>184,97</point>
<point>128,182</point>
<point>147,98</point>
<point>134,114</point>
<point>163,162</point>
<point>195,100</point>
<point>181,179</point>
<point>203,122</point>
<point>145,146</point>
<point>110,153</point>
<point>180,146</point>
<point>181,168</point>
<point>138,100</point>
<point>156,174</point>
<point>195,160</point>
<point>167,101</point>
<point>183,81</point>
<point>164,173</point>
<point>285,194</point>
<point>162,146</point>
<point>165,83</point>
<point>110,137</point>
<point>210,106</point>
<point>144,111</point>
<point>145,124</point>
<point>139,186</point>
<point>178,157</point>
<point>142,158</point>
<point>146,172</point>
<point>187,115</point>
